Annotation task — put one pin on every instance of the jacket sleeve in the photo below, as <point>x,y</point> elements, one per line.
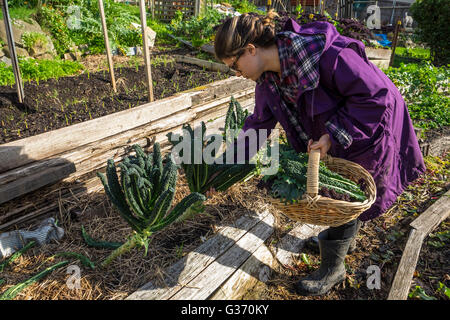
<point>365,98</point>
<point>258,126</point>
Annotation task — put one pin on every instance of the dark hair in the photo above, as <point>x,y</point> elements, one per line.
<point>236,33</point>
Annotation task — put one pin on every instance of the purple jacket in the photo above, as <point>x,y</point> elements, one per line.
<point>354,95</point>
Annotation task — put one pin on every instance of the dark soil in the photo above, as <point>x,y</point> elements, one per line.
<point>57,103</point>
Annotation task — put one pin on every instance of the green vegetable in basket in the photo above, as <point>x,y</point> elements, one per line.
<point>289,184</point>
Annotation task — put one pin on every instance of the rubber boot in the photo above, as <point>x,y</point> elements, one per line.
<point>312,243</point>
<point>332,269</point>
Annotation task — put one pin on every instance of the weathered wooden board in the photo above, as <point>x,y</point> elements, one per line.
<point>86,164</point>
<point>89,156</point>
<point>17,153</point>
<point>434,215</point>
<point>421,227</point>
<point>259,267</point>
<point>213,276</point>
<point>402,281</point>
<point>185,270</point>
<point>214,66</point>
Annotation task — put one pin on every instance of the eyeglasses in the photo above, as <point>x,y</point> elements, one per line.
<point>234,65</point>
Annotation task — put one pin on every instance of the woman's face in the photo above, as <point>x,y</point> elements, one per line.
<point>247,64</point>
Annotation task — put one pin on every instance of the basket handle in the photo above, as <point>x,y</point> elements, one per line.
<point>312,175</point>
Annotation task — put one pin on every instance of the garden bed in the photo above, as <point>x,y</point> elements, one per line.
<point>56,103</point>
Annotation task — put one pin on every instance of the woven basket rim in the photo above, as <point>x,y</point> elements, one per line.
<point>371,194</point>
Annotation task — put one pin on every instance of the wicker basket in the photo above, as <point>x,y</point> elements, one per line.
<point>318,210</point>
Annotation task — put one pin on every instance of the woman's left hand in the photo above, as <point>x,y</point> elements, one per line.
<point>324,144</point>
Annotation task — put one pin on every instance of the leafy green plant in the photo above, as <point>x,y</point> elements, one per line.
<point>203,176</point>
<point>52,20</point>
<point>199,30</point>
<point>419,293</point>
<point>12,292</point>
<point>33,69</point>
<point>144,196</point>
<point>30,39</point>
<point>234,119</point>
<point>425,90</point>
<point>432,17</point>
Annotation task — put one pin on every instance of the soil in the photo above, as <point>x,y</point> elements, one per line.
<point>56,103</point>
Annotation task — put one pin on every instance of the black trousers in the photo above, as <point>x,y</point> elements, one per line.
<point>344,231</point>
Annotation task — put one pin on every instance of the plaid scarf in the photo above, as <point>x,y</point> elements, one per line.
<point>299,62</point>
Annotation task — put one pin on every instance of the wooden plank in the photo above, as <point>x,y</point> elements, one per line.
<point>93,156</point>
<point>434,215</point>
<point>259,267</point>
<point>17,153</point>
<point>212,277</point>
<point>209,65</point>
<point>55,173</point>
<point>402,281</point>
<point>185,270</point>
<point>290,246</point>
<point>92,185</point>
<point>421,227</point>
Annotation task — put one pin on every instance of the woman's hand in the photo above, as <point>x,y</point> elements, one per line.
<point>324,144</point>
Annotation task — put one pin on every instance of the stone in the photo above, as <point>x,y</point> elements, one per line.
<point>19,51</point>
<point>2,53</point>
<point>19,27</point>
<point>45,56</point>
<point>151,35</point>
<point>6,60</point>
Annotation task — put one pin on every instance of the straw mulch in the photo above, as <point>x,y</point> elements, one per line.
<point>130,271</point>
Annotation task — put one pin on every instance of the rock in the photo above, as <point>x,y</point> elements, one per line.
<point>20,27</point>
<point>6,60</point>
<point>45,56</point>
<point>151,35</point>
<point>19,51</point>
<point>2,53</point>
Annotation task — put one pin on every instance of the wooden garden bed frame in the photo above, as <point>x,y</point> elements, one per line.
<point>67,154</point>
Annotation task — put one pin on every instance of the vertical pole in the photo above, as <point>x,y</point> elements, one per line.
<point>148,70</point>
<point>108,49</point>
<point>394,42</point>
<point>12,50</point>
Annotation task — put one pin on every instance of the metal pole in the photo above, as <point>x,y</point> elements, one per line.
<point>148,70</point>
<point>393,9</point>
<point>108,49</point>
<point>12,50</point>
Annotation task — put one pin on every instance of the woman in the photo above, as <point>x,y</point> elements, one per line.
<point>326,95</point>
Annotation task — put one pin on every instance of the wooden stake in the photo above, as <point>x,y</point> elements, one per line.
<point>108,49</point>
<point>12,50</point>
<point>148,69</point>
<point>394,42</point>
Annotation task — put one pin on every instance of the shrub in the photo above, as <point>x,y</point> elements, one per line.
<point>432,17</point>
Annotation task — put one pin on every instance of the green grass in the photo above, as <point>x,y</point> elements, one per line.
<point>22,13</point>
<point>407,55</point>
